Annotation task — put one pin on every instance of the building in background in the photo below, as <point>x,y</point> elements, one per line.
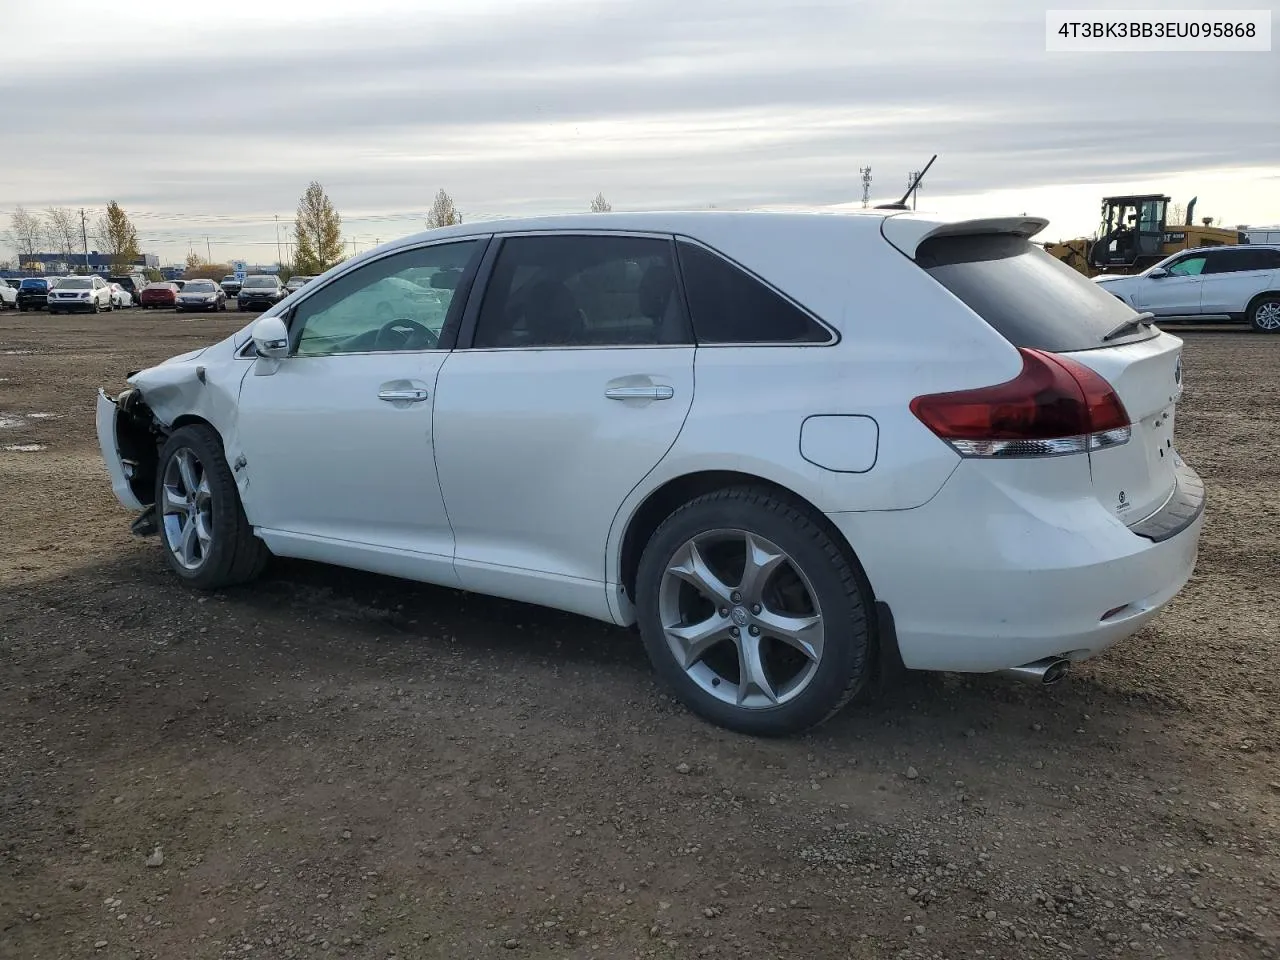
<point>56,263</point>
<point>1262,234</point>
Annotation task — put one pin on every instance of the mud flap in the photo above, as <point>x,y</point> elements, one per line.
<point>146,524</point>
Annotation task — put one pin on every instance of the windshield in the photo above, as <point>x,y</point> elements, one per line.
<point>199,286</point>
<point>260,281</point>
<point>228,278</point>
<point>35,284</point>
<point>75,283</point>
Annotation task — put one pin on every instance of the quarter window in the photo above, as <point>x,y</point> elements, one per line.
<point>728,305</point>
<point>581,291</point>
<point>397,303</point>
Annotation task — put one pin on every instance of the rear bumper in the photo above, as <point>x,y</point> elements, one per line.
<point>109,445</point>
<point>982,578</point>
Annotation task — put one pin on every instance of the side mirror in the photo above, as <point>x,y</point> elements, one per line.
<point>271,338</point>
<point>1157,273</point>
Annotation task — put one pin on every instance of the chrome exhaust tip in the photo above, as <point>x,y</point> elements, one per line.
<point>1041,672</point>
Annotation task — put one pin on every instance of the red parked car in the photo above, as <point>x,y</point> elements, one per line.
<point>159,294</point>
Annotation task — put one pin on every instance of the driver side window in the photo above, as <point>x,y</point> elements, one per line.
<point>397,303</point>
<point>1190,267</point>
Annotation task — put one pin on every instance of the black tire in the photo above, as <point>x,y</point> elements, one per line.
<point>236,555</point>
<point>843,596</point>
<point>1267,300</point>
<point>97,307</point>
<point>22,308</point>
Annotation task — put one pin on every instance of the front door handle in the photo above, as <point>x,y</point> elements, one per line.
<point>413,396</point>
<point>656,391</point>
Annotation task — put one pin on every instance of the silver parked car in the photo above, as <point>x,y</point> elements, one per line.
<point>1208,284</point>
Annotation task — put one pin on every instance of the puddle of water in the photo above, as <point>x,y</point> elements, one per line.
<point>17,353</point>
<point>10,422</point>
<point>44,416</point>
<point>25,447</point>
<point>4,379</point>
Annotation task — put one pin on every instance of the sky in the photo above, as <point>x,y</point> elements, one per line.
<point>207,123</point>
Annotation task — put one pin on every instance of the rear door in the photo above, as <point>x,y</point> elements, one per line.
<point>1038,302</point>
<point>1178,292</point>
<point>1234,276</point>
<point>572,380</point>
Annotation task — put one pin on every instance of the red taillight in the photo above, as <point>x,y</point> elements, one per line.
<point>1054,406</point>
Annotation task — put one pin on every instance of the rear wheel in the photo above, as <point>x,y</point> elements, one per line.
<point>205,535</point>
<point>753,614</point>
<point>1264,313</point>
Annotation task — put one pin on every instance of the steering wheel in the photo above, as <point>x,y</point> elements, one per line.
<point>403,334</point>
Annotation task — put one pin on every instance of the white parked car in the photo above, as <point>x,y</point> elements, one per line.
<point>792,449</point>
<point>1207,284</point>
<point>120,297</point>
<point>8,296</point>
<point>87,294</point>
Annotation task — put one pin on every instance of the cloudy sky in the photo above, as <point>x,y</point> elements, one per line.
<point>210,123</point>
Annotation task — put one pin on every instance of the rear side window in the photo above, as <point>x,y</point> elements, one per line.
<point>1238,261</point>
<point>729,305</point>
<point>1031,299</point>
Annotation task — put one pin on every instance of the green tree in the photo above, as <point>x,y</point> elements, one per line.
<point>443,213</point>
<point>317,233</point>
<point>117,234</point>
<point>600,204</point>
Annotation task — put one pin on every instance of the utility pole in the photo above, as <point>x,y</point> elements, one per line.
<point>911,180</point>
<point>208,250</point>
<point>279,255</point>
<point>84,236</point>
<point>866,185</point>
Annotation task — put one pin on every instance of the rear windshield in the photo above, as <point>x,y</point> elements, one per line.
<point>35,284</point>
<point>1031,299</point>
<point>159,285</point>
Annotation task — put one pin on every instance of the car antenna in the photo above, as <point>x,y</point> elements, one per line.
<point>902,204</point>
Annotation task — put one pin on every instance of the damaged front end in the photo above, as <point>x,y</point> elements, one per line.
<point>130,437</point>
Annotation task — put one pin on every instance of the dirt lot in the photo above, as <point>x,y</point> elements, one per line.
<point>340,764</point>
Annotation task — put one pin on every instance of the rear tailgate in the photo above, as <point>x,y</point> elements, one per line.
<point>1037,302</point>
<point>1135,479</point>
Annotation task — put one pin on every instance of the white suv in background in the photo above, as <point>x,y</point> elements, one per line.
<point>792,449</point>
<point>1206,284</point>
<point>88,294</point>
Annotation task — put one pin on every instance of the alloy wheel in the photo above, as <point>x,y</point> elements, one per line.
<point>187,509</point>
<point>741,619</point>
<point>1267,316</point>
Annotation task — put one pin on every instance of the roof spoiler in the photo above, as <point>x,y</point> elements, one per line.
<point>907,231</point>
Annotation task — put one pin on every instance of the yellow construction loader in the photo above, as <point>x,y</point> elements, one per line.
<point>1135,234</point>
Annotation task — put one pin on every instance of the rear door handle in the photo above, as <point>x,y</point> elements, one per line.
<point>656,391</point>
<point>413,396</point>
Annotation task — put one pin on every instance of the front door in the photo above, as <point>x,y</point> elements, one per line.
<point>573,387</point>
<point>338,437</point>
<point>1178,293</point>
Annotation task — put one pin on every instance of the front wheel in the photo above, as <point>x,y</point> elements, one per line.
<point>753,613</point>
<point>207,539</point>
<point>1264,315</point>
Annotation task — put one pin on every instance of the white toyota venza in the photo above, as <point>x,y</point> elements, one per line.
<point>795,450</point>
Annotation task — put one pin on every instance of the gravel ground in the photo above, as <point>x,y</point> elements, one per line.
<point>329,763</point>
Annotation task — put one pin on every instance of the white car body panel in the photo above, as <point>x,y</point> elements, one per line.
<point>534,460</point>
<point>517,477</point>
<point>305,471</point>
<point>8,294</point>
<point>105,421</point>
